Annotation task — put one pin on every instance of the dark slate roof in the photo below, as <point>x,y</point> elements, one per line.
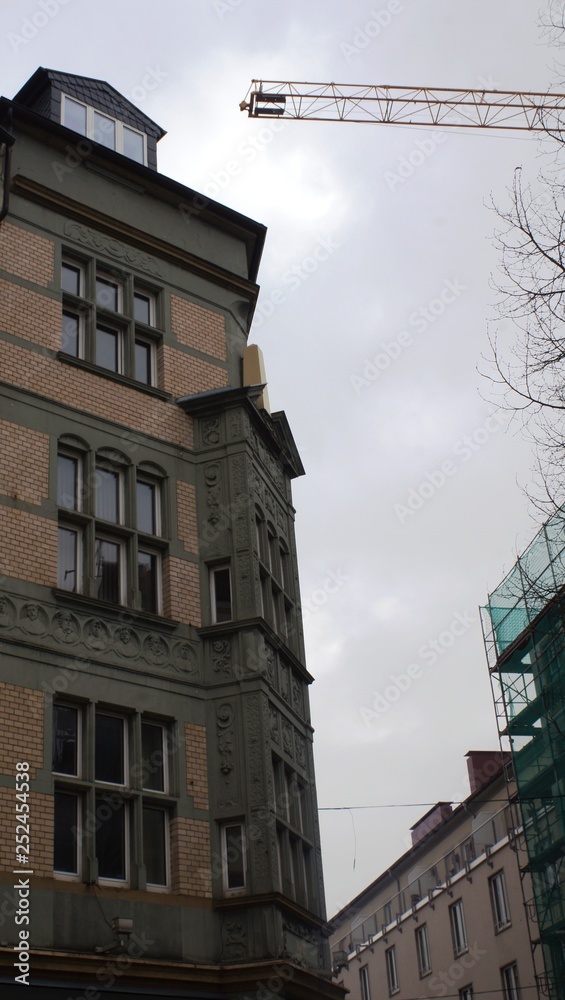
<point>42,93</point>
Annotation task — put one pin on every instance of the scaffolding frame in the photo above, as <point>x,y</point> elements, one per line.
<point>524,633</point>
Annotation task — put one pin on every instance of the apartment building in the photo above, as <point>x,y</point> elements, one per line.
<point>159,830</point>
<point>447,918</point>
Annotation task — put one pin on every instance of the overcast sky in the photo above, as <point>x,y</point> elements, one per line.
<point>379,244</point>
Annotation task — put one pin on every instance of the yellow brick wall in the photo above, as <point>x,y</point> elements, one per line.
<point>95,394</point>
<point>200,328</point>
<point>191,873</point>
<point>186,513</point>
<point>24,469</point>
<point>30,315</point>
<point>181,591</point>
<point>21,716</point>
<point>196,764</point>
<point>184,375</point>
<point>40,831</point>
<point>26,254</point>
<point>29,547</point>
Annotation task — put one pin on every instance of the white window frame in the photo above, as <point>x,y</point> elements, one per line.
<point>466,993</point>
<point>213,601</point>
<point>103,466</point>
<point>109,327</point>
<point>157,886</point>
<point>499,900</point>
<point>78,710</point>
<point>125,737</point>
<point>103,879</point>
<point>364,984</point>
<point>391,970</point>
<point>72,876</point>
<point>510,981</point>
<point>164,751</point>
<point>458,928</point>
<point>148,480</point>
<point>119,126</point>
<point>110,279</point>
<point>78,531</point>
<point>235,890</point>
<point>150,296</point>
<point>105,536</point>
<point>158,572</point>
<point>78,265</point>
<point>142,339</point>
<point>77,457</point>
<point>423,950</point>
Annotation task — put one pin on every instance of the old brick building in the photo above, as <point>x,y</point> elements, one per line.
<point>156,787</point>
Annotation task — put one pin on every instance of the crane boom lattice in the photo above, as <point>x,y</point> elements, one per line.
<point>438,107</point>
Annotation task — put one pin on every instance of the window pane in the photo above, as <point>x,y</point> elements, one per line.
<point>107,293</point>
<point>110,837</point>
<point>104,130</point>
<point>153,774</point>
<point>143,369</point>
<point>146,507</point>
<point>107,565</point>
<point>222,595</point>
<point>65,854</point>
<point>147,563</point>
<point>108,349</point>
<point>154,856</point>
<point>70,278</point>
<point>70,339</point>
<point>234,857</point>
<point>107,495</point>
<point>65,739</point>
<point>67,573</point>
<point>74,115</point>
<point>142,308</point>
<point>133,144</point>
<point>109,749</point>
<point>67,482</point>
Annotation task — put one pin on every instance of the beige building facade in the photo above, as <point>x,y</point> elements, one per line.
<point>447,919</point>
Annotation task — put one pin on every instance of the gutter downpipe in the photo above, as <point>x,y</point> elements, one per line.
<point>8,140</point>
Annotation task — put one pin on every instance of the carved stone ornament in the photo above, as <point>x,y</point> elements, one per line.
<point>126,642</point>
<point>287,740</point>
<point>33,619</point>
<point>234,938</point>
<point>156,650</point>
<point>211,430</point>
<point>96,635</point>
<point>184,658</point>
<point>225,733</point>
<point>66,628</point>
<point>212,473</point>
<point>128,256</point>
<point>221,656</point>
<point>7,613</point>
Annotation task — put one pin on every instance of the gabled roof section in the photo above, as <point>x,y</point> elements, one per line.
<point>42,93</point>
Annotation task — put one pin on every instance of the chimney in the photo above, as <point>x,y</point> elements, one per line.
<point>482,765</point>
<point>432,819</point>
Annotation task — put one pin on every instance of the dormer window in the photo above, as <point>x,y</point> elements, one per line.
<point>102,128</point>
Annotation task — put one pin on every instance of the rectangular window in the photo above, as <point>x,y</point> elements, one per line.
<point>108,504</point>
<point>144,308</point>
<point>153,752</point>
<point>111,821</point>
<point>68,472</point>
<point>74,115</point>
<point>510,983</point>
<point>391,970</point>
<point>149,576</point>
<point>72,278</point>
<point>108,570</point>
<point>109,749</point>
<point>221,594</point>
<point>423,950</point>
<point>108,293</point>
<point>466,993</point>
<point>233,849</point>
<point>148,507</point>
<point>499,900</point>
<point>65,740</point>
<point>66,833</point>
<point>155,845</point>
<point>109,132</point>
<point>108,349</point>
<point>144,361</point>
<point>458,929</point>
<point>133,144</point>
<point>68,571</point>
<point>364,983</point>
<point>104,130</point>
<point>71,338</point>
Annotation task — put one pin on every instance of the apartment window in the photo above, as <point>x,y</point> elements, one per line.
<point>220,594</point>
<point>109,132</point>
<point>510,983</point>
<point>466,993</point>
<point>423,950</point>
<point>233,856</point>
<point>109,320</point>
<point>109,794</point>
<point>458,929</point>
<point>277,606</point>
<point>110,528</point>
<point>499,901</point>
<point>391,970</point>
<point>292,808</point>
<point>364,982</point>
